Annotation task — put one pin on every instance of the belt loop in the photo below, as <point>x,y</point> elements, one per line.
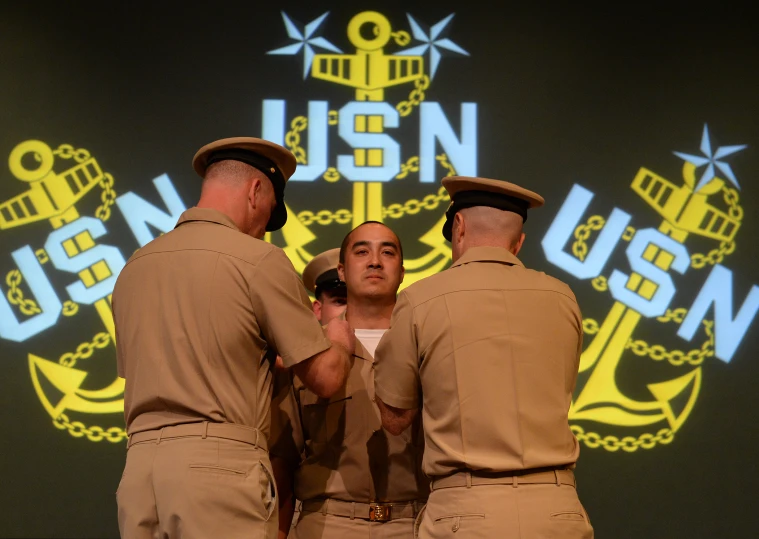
<point>558,480</point>
<point>205,430</point>
<point>158,441</point>
<point>468,476</point>
<point>353,510</point>
<point>258,432</point>
<point>324,507</point>
<point>514,481</point>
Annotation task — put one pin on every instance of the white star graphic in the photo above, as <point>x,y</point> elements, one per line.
<point>306,39</point>
<point>432,42</point>
<point>712,160</point>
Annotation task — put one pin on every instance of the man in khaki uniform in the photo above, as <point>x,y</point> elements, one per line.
<point>200,313</point>
<point>355,479</point>
<point>321,278</point>
<point>490,351</point>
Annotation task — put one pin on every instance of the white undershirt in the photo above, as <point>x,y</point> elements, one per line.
<point>370,338</point>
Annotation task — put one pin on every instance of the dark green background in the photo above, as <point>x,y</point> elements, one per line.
<point>580,94</point>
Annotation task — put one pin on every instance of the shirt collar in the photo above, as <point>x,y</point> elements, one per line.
<point>488,254</point>
<point>208,215</point>
<point>360,351</point>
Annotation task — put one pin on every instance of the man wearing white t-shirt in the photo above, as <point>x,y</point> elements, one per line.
<point>354,478</point>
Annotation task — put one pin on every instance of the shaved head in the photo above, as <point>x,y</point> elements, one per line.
<point>240,191</point>
<point>493,224</point>
<point>483,226</point>
<point>231,171</point>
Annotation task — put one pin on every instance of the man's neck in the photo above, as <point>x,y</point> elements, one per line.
<point>369,314</point>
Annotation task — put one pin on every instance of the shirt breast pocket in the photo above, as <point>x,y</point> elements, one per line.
<point>325,420</point>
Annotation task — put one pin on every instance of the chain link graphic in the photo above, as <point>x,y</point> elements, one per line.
<point>77,429</point>
<point>582,233</point>
<point>415,97</point>
<point>402,38</point>
<point>292,139</point>
<point>630,444</point>
<point>85,350</point>
<point>16,296</point>
<point>108,196</point>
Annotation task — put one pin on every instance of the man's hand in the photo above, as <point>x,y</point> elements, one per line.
<point>340,332</point>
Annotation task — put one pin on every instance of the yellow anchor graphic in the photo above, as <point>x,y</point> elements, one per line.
<point>54,197</point>
<point>369,71</point>
<point>685,212</point>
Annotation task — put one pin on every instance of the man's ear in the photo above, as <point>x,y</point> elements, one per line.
<point>518,245</point>
<point>316,306</point>
<point>460,224</point>
<point>341,271</point>
<point>254,192</point>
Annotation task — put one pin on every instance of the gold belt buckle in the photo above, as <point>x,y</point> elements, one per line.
<point>379,512</point>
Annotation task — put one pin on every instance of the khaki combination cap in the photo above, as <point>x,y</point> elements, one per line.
<point>321,272</point>
<point>276,162</point>
<point>468,192</point>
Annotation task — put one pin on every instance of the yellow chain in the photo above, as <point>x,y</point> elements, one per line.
<point>582,233</point>
<point>414,206</point>
<point>70,308</point>
<point>402,38</point>
<point>590,326</point>
<point>331,175</point>
<point>412,165</point>
<point>447,165</point>
<point>108,196</point>
<point>16,295</point>
<point>292,139</point>
<point>600,283</point>
<point>393,211</point>
<point>677,358</point>
<point>415,97</point>
<point>676,315</point>
<point>325,217</point>
<point>85,350</point>
<point>77,429</point>
<point>630,444</point>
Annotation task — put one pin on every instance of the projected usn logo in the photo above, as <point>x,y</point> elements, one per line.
<point>82,381</point>
<point>704,208</point>
<point>376,158</point>
<point>58,180</point>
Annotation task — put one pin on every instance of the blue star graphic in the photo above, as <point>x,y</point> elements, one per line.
<point>306,40</point>
<point>431,41</point>
<point>712,160</point>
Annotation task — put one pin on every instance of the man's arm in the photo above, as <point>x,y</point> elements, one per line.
<point>283,476</point>
<point>288,324</point>
<point>395,420</point>
<point>396,369</point>
<point>326,372</point>
<point>286,445</point>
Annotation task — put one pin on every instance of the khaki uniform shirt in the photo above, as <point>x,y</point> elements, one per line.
<point>492,350</point>
<point>339,446</point>
<point>200,314</point>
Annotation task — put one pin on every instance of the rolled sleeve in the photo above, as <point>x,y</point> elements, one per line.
<point>283,310</point>
<point>396,361</point>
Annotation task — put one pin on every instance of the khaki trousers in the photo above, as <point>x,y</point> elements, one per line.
<point>504,511</point>
<point>193,487</point>
<point>316,525</point>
